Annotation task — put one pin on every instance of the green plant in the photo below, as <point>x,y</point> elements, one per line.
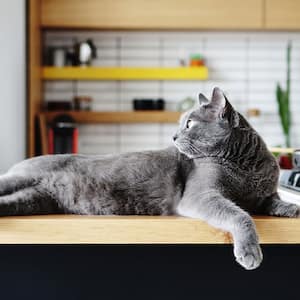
<point>283,100</point>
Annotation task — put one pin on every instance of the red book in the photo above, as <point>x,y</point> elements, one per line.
<point>50,141</point>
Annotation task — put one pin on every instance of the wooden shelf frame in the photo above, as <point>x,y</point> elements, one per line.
<point>34,82</point>
<point>95,117</point>
<point>124,73</point>
<point>71,229</point>
<point>152,15</point>
<point>282,150</point>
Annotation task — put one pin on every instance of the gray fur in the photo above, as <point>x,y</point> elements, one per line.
<point>219,171</point>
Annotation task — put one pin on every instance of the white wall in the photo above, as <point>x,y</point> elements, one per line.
<point>12,83</point>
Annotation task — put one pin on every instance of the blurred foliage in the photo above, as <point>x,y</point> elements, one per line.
<point>283,100</point>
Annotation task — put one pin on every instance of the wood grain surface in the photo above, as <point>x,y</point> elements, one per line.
<point>155,14</point>
<point>71,229</point>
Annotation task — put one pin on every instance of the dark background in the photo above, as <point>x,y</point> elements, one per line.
<point>145,272</point>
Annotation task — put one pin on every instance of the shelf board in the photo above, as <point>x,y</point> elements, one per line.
<point>67,229</point>
<point>92,117</point>
<point>281,150</point>
<point>124,73</point>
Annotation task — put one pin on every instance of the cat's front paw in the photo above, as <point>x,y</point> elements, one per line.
<point>248,254</point>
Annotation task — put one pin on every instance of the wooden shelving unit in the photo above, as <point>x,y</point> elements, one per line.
<point>38,13</point>
<point>93,117</point>
<point>116,73</point>
<point>124,73</point>
<point>135,230</point>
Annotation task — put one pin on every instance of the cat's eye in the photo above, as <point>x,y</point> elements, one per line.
<point>189,124</point>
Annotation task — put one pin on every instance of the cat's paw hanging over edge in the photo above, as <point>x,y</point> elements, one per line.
<point>248,255</point>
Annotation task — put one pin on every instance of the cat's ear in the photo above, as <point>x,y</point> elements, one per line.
<point>215,108</point>
<point>222,108</point>
<point>202,100</point>
<point>225,109</point>
<point>231,115</point>
<point>218,99</point>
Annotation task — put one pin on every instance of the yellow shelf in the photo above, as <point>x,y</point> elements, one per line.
<point>90,117</point>
<point>124,73</point>
<point>67,229</point>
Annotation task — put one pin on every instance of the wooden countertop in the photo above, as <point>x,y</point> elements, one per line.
<point>71,229</point>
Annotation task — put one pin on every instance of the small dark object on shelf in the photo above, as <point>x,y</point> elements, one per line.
<point>84,52</point>
<point>59,105</point>
<point>63,135</point>
<point>55,56</point>
<point>81,54</point>
<point>148,104</point>
<point>83,103</point>
<point>285,161</point>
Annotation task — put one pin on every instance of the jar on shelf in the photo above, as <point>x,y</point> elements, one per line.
<point>196,60</point>
<point>83,103</point>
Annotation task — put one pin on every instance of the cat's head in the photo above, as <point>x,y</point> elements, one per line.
<point>206,127</point>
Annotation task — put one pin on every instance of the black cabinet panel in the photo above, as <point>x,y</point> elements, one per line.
<point>145,272</point>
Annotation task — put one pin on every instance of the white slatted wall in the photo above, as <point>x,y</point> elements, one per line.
<point>245,65</point>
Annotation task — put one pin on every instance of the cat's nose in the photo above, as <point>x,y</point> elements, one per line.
<point>175,137</point>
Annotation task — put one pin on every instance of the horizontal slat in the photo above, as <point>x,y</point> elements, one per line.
<point>124,73</point>
<point>87,117</point>
<point>134,230</point>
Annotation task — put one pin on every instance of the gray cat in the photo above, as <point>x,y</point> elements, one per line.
<point>219,171</point>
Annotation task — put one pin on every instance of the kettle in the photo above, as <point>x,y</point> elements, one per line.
<point>84,52</point>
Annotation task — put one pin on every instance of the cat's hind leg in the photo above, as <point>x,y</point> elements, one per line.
<point>274,206</point>
<point>27,201</point>
<point>10,183</point>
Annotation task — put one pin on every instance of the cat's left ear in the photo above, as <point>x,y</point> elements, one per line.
<point>202,99</point>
